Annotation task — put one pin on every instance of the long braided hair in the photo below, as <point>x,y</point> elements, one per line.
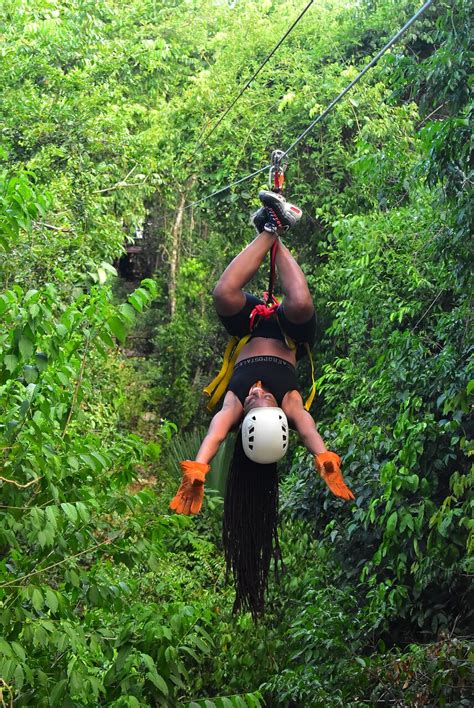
<point>250,529</point>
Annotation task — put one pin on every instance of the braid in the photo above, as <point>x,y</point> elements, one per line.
<point>250,530</point>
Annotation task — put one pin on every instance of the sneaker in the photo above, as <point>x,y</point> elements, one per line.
<point>264,220</point>
<point>285,214</point>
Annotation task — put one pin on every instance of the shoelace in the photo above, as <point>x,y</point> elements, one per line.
<point>274,217</point>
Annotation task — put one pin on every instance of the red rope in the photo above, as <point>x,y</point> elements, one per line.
<point>263,312</point>
<point>271,303</point>
<point>269,298</point>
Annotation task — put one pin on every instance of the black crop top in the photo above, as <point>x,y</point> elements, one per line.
<point>277,375</point>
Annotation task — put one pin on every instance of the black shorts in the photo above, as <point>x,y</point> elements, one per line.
<point>238,325</point>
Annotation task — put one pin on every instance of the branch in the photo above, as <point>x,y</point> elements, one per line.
<point>118,185</point>
<point>39,224</point>
<point>4,685</point>
<point>425,120</point>
<point>76,389</point>
<point>54,565</point>
<point>17,484</point>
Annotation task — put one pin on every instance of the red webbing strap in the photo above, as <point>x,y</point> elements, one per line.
<point>271,303</point>
<point>271,281</point>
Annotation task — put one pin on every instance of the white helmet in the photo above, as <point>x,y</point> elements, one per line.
<point>265,434</point>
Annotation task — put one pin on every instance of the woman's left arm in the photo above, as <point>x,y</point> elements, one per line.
<point>328,464</point>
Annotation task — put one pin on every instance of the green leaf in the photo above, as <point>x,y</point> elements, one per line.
<point>73,578</point>
<point>153,450</point>
<point>131,702</point>
<point>102,275</point>
<point>25,346</point>
<point>19,651</point>
<point>192,653</point>
<point>70,511</point>
<point>11,362</point>
<point>83,512</point>
<point>90,462</point>
<point>51,515</point>
<point>19,677</point>
<point>8,669</point>
<point>102,463</point>
<point>127,312</point>
<point>30,373</point>
<point>108,267</point>
<point>151,285</point>
<point>4,303</point>
<point>41,361</point>
<point>24,408</point>
<point>392,523</point>
<point>73,462</point>
<point>51,600</point>
<point>106,338</point>
<point>37,600</point>
<point>61,330</point>
<point>117,328</point>
<point>137,302</point>
<point>57,693</point>
<point>63,378</point>
<point>153,675</point>
<point>153,563</point>
<point>30,391</point>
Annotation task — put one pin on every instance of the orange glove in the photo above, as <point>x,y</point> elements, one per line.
<point>188,498</point>
<point>328,464</point>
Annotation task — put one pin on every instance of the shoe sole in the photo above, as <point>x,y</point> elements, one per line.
<point>286,212</point>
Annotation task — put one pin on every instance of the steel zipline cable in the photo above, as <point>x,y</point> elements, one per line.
<point>249,81</point>
<point>372,63</point>
<point>322,115</point>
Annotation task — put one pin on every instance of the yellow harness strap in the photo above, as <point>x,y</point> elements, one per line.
<point>292,345</point>
<point>218,385</point>
<point>312,393</point>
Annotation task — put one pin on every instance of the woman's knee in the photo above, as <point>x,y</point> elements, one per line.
<point>221,292</point>
<point>227,301</point>
<point>298,309</point>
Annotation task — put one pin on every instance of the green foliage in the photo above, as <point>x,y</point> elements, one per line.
<point>319,649</point>
<point>438,673</point>
<point>105,599</point>
<point>88,560</point>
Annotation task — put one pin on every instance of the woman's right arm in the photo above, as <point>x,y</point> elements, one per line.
<point>228,417</point>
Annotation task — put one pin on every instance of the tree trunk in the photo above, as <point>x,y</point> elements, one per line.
<point>174,253</point>
<point>175,245</point>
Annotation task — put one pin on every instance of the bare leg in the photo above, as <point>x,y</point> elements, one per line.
<point>228,295</point>
<point>298,303</point>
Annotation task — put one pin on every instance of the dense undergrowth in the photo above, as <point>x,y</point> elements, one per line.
<point>105,597</point>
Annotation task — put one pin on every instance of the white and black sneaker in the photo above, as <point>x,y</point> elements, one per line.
<point>284,214</point>
<point>264,220</point>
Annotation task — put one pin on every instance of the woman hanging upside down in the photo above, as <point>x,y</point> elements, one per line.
<point>262,398</point>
